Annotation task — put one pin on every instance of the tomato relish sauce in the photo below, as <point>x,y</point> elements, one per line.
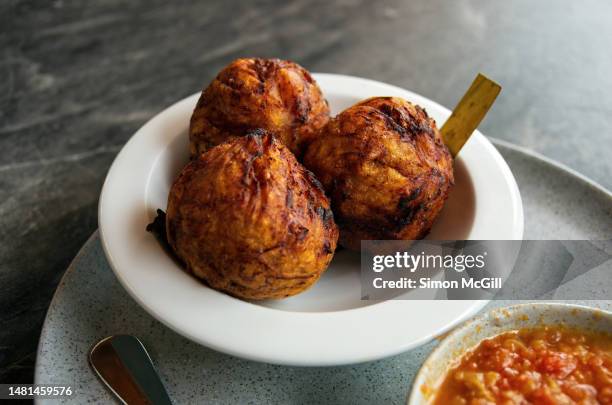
<point>546,365</point>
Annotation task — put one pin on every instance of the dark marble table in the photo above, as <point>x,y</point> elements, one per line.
<point>79,77</point>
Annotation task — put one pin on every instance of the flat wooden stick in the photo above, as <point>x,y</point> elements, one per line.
<point>469,112</point>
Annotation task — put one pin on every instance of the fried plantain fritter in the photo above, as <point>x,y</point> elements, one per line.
<point>250,220</point>
<point>276,95</point>
<point>385,168</point>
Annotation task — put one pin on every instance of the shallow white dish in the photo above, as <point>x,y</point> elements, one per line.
<point>493,323</point>
<point>328,324</point>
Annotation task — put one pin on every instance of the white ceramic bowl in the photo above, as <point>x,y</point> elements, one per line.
<point>329,324</point>
<point>493,323</point>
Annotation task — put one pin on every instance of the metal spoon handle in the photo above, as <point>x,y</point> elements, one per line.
<point>123,364</point>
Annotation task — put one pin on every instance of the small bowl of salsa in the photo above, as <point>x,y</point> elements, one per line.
<point>544,353</point>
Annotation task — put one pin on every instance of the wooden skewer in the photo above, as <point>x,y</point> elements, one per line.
<point>468,113</point>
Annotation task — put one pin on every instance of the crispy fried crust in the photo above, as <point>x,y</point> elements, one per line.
<point>250,220</point>
<point>276,95</point>
<point>385,168</point>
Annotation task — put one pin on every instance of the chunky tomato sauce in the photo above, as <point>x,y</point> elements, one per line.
<point>548,365</point>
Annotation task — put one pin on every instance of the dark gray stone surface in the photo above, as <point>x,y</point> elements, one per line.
<point>79,77</point>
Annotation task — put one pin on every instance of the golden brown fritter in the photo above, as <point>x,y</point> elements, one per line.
<point>250,220</point>
<point>276,95</point>
<point>385,168</point>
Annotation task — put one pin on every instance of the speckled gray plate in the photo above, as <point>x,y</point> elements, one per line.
<point>90,304</point>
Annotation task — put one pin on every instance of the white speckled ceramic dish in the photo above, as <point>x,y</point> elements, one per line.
<point>89,305</point>
<point>492,323</point>
<point>329,324</point>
